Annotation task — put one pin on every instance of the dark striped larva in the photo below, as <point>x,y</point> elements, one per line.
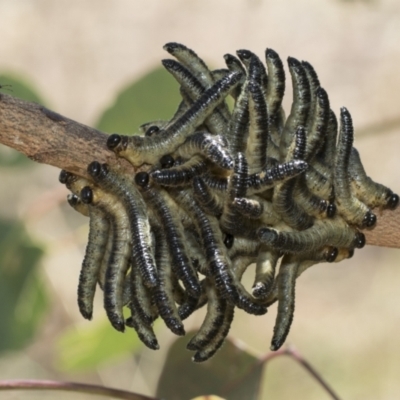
<point>239,124</point>
<point>212,347</point>
<point>164,208</point>
<point>99,228</point>
<point>118,263</point>
<point>292,266</point>
<point>213,245</point>
<point>215,123</point>
<point>216,307</point>
<point>300,106</point>
<point>332,232</point>
<point>139,150</point>
<point>209,201</point>
<point>137,215</point>
<point>212,147</point>
<point>369,192</point>
<point>219,190</point>
<point>163,293</point>
<point>256,151</point>
<point>286,281</point>
<point>181,174</point>
<point>141,299</point>
<point>350,207</point>
<point>234,65</point>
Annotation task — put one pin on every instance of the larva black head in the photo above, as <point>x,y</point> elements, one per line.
<point>173,46</point>
<point>95,169</point>
<point>272,54</point>
<point>231,60</point>
<point>331,254</point>
<point>331,210</point>
<point>294,63</point>
<point>244,54</point>
<point>178,161</point>
<point>152,130</point>
<point>267,235</point>
<point>392,201</point>
<point>369,219</point>
<point>87,195</point>
<point>228,241</point>
<point>142,179</point>
<point>167,161</point>
<point>64,176</point>
<point>113,141</point>
<point>359,240</point>
<point>73,200</point>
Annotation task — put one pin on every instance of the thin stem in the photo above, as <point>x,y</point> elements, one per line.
<point>287,351</point>
<point>295,355</point>
<point>33,384</point>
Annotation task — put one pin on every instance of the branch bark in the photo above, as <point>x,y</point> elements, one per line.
<point>50,138</point>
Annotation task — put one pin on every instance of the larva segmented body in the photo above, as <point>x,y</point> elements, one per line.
<point>99,228</point>
<point>139,150</point>
<point>163,293</point>
<point>138,219</point>
<point>161,203</point>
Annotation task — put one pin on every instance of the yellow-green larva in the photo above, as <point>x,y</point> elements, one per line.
<point>118,262</point>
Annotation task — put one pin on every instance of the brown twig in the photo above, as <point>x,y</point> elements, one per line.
<point>295,355</point>
<point>32,384</point>
<point>49,138</point>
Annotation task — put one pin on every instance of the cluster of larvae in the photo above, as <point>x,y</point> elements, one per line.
<point>219,189</point>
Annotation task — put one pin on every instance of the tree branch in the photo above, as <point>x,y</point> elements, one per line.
<point>47,137</point>
<point>33,384</point>
<point>50,138</point>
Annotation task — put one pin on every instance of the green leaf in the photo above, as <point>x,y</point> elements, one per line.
<point>24,90</point>
<point>22,295</point>
<point>153,97</point>
<point>232,373</point>
<point>86,347</point>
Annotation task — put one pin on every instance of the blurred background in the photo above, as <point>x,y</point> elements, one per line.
<point>99,63</point>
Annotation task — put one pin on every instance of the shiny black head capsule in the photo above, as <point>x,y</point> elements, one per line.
<point>87,195</point>
<point>244,54</point>
<point>113,141</point>
<point>72,199</point>
<point>332,254</point>
<point>369,219</point>
<point>94,168</point>
<point>359,240</point>
<point>167,161</point>
<point>142,179</point>
<point>393,201</point>
<point>331,210</point>
<point>228,241</point>
<point>152,130</point>
<point>63,177</point>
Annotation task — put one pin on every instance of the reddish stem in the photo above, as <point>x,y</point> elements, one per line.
<point>33,384</point>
